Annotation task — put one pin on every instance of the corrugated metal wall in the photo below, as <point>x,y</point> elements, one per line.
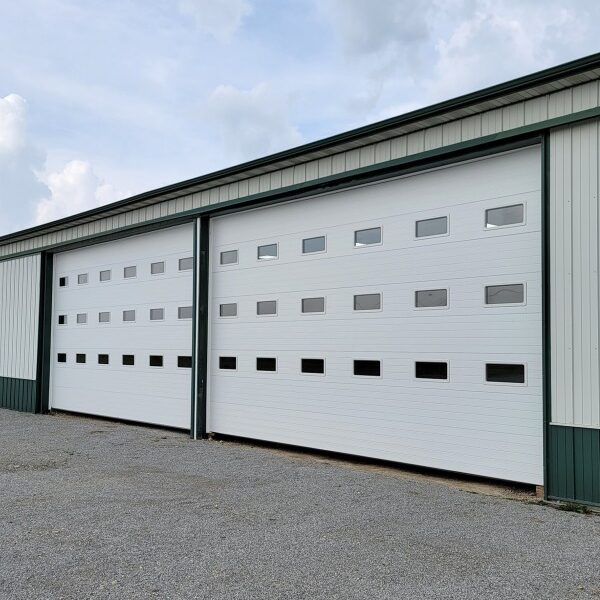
<point>573,442</point>
<point>19,316</point>
<point>505,118</point>
<point>574,235</point>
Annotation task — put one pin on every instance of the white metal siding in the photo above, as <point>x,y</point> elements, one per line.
<point>160,395</point>
<point>463,424</point>
<point>19,316</point>
<point>501,119</point>
<point>574,226</point>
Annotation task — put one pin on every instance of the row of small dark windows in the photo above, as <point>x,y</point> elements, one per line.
<point>513,293</point>
<point>154,360</point>
<point>155,314</point>
<point>494,372</point>
<point>156,268</point>
<point>494,218</point>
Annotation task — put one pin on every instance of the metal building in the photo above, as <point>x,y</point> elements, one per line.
<point>422,290</point>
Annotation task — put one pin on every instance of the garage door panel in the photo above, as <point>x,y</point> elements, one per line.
<point>380,267</point>
<point>426,415</point>
<point>425,339</point>
<point>464,423</point>
<point>430,453</point>
<point>139,392</point>
<point>488,180</point>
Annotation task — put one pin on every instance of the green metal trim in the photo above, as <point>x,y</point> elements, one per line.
<point>504,89</point>
<point>202,358</point>
<point>546,332</point>
<point>574,464</point>
<point>44,333</point>
<point>18,394</point>
<point>194,390</point>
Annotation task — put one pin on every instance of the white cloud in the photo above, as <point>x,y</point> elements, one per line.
<point>251,122</point>
<point>74,189</point>
<point>19,162</point>
<point>468,53</point>
<point>29,193</point>
<point>221,19</point>
<point>376,28</point>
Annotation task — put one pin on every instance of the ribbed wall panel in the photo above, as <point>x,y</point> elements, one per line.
<point>574,291</point>
<point>19,315</point>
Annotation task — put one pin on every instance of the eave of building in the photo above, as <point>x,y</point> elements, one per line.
<point>523,88</point>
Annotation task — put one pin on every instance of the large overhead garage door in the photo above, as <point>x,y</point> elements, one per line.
<point>400,320</point>
<point>122,328</point>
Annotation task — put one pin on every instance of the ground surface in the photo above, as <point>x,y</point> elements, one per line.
<point>93,509</point>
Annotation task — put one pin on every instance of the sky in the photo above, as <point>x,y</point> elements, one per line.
<point>101,100</point>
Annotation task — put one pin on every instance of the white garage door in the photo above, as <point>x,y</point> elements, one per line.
<point>122,333</point>
<point>399,321</point>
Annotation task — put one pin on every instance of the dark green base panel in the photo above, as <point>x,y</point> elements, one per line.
<point>574,464</point>
<point>18,394</point>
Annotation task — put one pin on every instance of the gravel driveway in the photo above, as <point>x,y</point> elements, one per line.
<point>94,509</point>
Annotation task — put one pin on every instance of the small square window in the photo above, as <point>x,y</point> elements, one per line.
<point>367,237</point>
<point>81,318</point>
<point>103,317</point>
<point>431,370</point>
<point>267,252</point>
<point>431,298</point>
<point>62,319</point>
<point>505,294</point>
<point>103,359</point>
<point>82,278</point>
<point>157,314</point>
<point>266,364</point>
<point>313,305</point>
<point>105,275</point>
<point>128,359</point>
<point>80,358</point>
<point>266,307</point>
<point>229,257</point>
<point>184,312</point>
<point>129,272</point>
<point>367,302</point>
<point>228,310</point>
<point>63,281</point>
<point>314,244</point>
<point>313,365</point>
<point>155,360</point>
<point>157,268</point>
<point>429,227</point>
<point>129,315</point>
<point>61,357</point>
<point>228,363</point>
<point>186,264</point>
<point>367,368</point>
<point>504,215</point>
<point>504,373</point>
<point>184,362</point>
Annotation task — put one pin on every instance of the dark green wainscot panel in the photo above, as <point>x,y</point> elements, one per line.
<point>17,394</point>
<point>574,464</point>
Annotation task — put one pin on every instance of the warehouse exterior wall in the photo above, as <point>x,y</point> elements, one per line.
<point>574,430</point>
<point>19,318</point>
<point>505,119</point>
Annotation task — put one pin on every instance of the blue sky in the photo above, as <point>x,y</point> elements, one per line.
<point>100,100</point>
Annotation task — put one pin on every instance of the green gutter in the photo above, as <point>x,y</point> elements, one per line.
<point>496,91</point>
<point>345,179</point>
